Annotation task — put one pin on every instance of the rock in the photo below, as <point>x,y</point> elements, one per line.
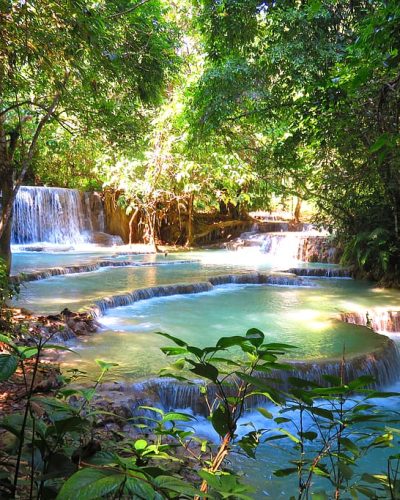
<point>105,239</point>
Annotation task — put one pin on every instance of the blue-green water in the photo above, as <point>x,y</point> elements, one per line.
<point>306,317</point>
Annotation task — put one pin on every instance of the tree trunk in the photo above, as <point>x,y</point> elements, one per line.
<point>189,231</point>
<point>151,224</point>
<point>297,210</point>
<point>131,221</point>
<point>7,197</point>
<point>7,200</point>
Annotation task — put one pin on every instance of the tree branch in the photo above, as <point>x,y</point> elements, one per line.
<point>131,9</point>
<point>7,210</point>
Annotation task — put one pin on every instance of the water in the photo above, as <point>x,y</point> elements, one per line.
<point>306,317</point>
<point>55,215</point>
<point>298,316</point>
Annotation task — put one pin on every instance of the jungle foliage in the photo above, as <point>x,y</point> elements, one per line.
<point>203,103</point>
<point>308,94</point>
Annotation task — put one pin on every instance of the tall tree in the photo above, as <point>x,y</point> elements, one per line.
<point>82,64</point>
<point>308,94</point>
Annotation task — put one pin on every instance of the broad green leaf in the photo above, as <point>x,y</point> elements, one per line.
<point>255,336</point>
<point>265,413</point>
<point>177,341</point>
<point>285,472</point>
<point>206,370</point>
<point>140,444</point>
<point>90,484</point>
<point>8,365</point>
<point>220,420</point>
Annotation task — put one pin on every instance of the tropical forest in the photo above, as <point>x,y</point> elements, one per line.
<point>200,249</point>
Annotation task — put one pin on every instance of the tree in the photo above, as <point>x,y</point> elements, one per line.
<point>83,65</point>
<point>307,93</point>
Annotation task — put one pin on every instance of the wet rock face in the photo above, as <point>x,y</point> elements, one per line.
<point>319,249</point>
<point>105,239</point>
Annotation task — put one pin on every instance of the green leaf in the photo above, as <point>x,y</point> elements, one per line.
<point>289,435</point>
<point>8,365</point>
<point>140,489</point>
<point>255,336</point>
<point>183,417</point>
<point>104,365</point>
<point>265,413</point>
<point>174,351</point>
<point>220,420</point>
<point>177,341</point>
<point>71,424</point>
<point>205,370</point>
<point>181,487</point>
<point>261,386</point>
<point>346,470</point>
<point>28,352</point>
<point>140,444</point>
<point>235,340</point>
<point>90,484</point>
<point>285,472</point>
<point>310,435</point>
<point>350,446</point>
<point>361,382</point>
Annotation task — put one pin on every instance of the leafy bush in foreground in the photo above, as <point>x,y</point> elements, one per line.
<point>55,449</point>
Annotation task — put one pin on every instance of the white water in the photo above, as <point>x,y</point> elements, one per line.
<point>53,215</point>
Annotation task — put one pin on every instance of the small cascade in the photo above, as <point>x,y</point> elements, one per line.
<point>283,246</point>
<point>101,306</point>
<point>166,393</point>
<point>320,272</point>
<point>380,321</point>
<point>55,215</point>
<point>288,242</point>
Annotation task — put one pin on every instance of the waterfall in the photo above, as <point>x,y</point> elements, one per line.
<point>283,246</point>
<point>169,394</point>
<point>291,243</point>
<point>54,215</point>
<point>380,321</point>
<point>316,272</point>
<point>101,306</point>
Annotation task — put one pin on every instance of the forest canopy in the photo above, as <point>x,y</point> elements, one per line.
<point>208,101</point>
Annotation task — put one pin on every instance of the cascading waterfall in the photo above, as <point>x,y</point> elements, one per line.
<point>101,306</point>
<point>380,321</point>
<point>316,272</point>
<point>284,242</point>
<point>53,215</point>
<point>285,247</point>
<point>383,365</point>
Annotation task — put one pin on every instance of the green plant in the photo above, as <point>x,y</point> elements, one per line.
<point>8,290</point>
<point>335,426</point>
<point>374,252</point>
<point>59,452</point>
